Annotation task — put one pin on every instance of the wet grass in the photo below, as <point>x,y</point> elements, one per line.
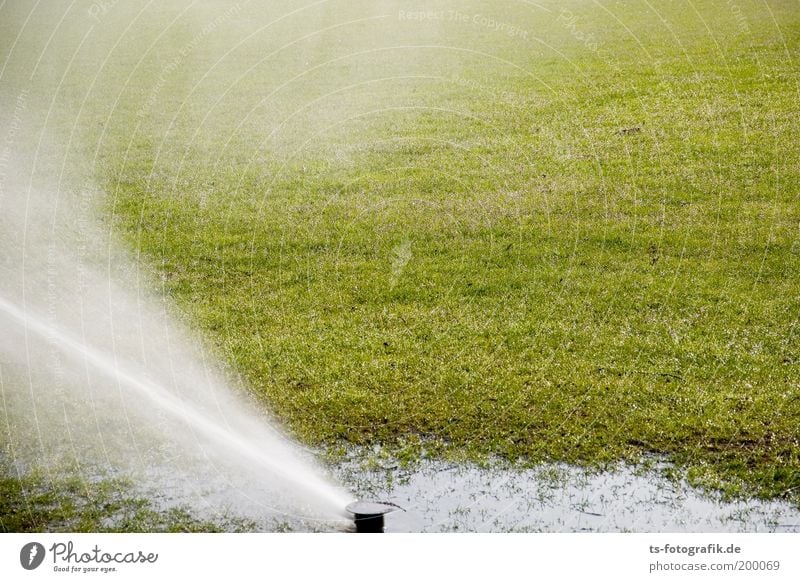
<point>38,503</point>
<point>581,245</point>
<point>439,495</point>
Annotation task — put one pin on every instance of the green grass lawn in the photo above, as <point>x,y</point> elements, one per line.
<point>564,231</point>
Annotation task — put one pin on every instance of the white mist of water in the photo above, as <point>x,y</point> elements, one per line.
<point>97,373</point>
<point>269,456</point>
<point>98,376</point>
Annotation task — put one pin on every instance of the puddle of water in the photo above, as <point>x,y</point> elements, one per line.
<point>440,496</point>
<point>446,497</point>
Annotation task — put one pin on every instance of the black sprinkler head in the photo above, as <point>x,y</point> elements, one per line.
<point>368,515</point>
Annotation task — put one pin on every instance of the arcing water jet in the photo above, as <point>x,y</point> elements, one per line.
<point>266,454</point>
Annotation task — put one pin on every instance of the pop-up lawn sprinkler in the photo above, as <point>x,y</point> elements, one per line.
<point>368,515</point>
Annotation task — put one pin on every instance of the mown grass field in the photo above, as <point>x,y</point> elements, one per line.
<point>562,231</point>
<point>574,240</point>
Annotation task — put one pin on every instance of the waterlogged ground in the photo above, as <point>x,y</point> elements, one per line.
<point>434,496</point>
<point>155,500</point>
<point>440,496</point>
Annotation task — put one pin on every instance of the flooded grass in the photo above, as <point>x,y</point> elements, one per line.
<point>432,495</point>
<point>441,496</point>
<point>38,503</point>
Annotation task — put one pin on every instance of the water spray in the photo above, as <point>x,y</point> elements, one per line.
<point>247,441</point>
